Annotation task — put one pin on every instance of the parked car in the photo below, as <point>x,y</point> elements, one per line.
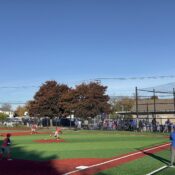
<point>10,122</point>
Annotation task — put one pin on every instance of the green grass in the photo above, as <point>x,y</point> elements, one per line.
<point>95,144</point>
<point>92,144</point>
<point>141,166</point>
<point>167,171</point>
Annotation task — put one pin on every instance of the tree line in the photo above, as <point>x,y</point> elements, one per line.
<point>58,100</point>
<point>85,100</point>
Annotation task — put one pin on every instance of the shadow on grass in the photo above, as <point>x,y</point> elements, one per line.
<point>161,159</point>
<point>28,163</point>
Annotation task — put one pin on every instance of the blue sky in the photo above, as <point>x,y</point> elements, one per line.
<point>72,41</point>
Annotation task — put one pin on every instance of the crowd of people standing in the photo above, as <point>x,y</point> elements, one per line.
<point>133,125</point>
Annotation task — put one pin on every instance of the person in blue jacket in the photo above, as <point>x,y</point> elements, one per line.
<point>172,138</point>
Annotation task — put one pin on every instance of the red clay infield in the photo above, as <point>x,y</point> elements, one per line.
<point>24,133</point>
<point>68,166</point>
<point>49,141</point>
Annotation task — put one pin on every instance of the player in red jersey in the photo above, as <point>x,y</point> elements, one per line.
<point>5,148</point>
<point>33,128</point>
<point>57,133</point>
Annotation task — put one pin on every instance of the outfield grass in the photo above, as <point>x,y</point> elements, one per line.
<point>86,144</point>
<point>96,144</point>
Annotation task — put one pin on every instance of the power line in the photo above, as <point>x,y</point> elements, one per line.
<point>13,103</point>
<point>17,87</point>
<point>96,79</point>
<point>134,78</point>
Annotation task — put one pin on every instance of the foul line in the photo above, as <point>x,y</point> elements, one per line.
<point>119,158</point>
<point>155,171</point>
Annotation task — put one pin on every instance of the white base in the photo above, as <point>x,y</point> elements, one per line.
<point>81,167</point>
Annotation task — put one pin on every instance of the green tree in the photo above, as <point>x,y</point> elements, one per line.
<point>20,110</point>
<point>3,116</point>
<point>122,104</point>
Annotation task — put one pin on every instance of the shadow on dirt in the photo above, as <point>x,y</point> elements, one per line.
<point>25,166</point>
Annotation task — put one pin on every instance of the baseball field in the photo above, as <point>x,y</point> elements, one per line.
<point>86,152</point>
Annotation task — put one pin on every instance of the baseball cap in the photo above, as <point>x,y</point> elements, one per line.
<point>8,134</point>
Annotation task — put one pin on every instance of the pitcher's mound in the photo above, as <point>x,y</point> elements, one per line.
<point>49,141</point>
